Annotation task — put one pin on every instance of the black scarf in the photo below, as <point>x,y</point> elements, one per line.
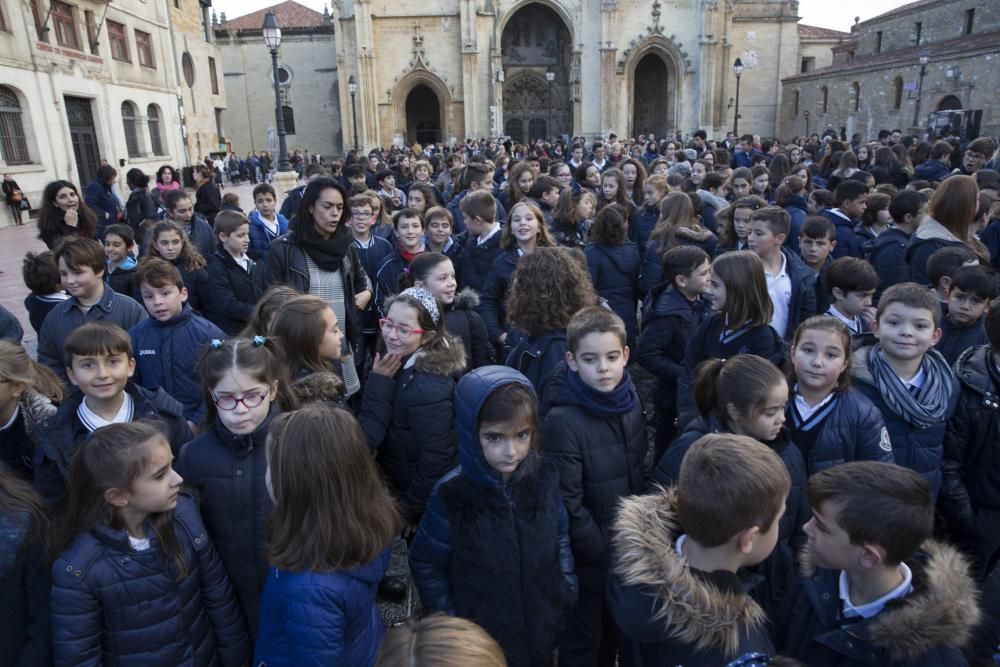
<point>327,253</point>
<point>619,401</point>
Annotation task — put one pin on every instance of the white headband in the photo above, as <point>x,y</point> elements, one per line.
<point>426,300</point>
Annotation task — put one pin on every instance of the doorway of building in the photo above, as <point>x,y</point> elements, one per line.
<point>423,116</point>
<point>949,103</point>
<point>83,136</point>
<point>651,97</point>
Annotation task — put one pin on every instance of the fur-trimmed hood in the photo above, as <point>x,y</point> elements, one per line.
<point>698,235</point>
<point>36,408</point>
<point>447,359</point>
<point>693,610</point>
<point>466,299</point>
<point>940,612</point>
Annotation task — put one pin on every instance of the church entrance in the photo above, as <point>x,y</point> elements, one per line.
<point>423,116</point>
<point>651,107</point>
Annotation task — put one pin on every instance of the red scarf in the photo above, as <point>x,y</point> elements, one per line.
<point>407,256</point>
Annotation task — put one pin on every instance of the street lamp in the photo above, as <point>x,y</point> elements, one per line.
<point>738,71</point>
<point>352,88</point>
<point>272,39</point>
<point>550,77</point>
<point>924,59</point>
<point>806,114</point>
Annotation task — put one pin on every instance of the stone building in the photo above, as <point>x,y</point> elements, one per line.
<point>307,74</point>
<point>876,81</point>
<point>133,83</point>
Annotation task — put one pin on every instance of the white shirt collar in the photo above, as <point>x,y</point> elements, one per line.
<point>874,607</point>
<point>853,323</point>
<point>679,544</point>
<point>483,239</point>
<point>916,381</point>
<point>805,410</point>
<point>93,421</point>
<point>781,272</point>
<point>13,417</point>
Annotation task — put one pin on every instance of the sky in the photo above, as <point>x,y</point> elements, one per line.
<point>838,14</point>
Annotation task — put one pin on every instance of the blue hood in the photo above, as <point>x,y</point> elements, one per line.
<point>470,395</point>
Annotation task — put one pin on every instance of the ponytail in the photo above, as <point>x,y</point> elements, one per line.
<point>420,268</point>
<point>706,381</point>
<point>744,381</point>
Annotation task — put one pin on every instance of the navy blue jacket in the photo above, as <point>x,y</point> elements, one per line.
<point>934,171</point>
<point>201,235</point>
<point>10,328</point>
<point>261,236</point>
<point>538,358</point>
<point>208,202</point>
<point>642,224</point>
<point>371,257</point>
<point>39,305</point>
<point>802,304</point>
<point>316,619</point>
<point>887,253</point>
<point>462,320</point>
<point>122,279</point>
<point>115,606</point>
<point>293,200</point>
<point>476,260</point>
<point>848,244</point>
<point>387,279</point>
<point>198,286</point>
<point>652,261</point>
<point>991,239</point>
<point>25,585</point>
<point>458,218</point>
<point>167,354</point>
<point>517,531</point>
<point>957,339</point>
<point>492,307</point>
<point>615,274</point>
<point>920,250</point>
<point>99,197</point>
<point>235,291</point>
<point>797,209</point>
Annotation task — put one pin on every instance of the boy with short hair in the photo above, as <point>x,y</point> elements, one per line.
<point>372,251</point>
<point>942,266</point>
<point>817,239</point>
<point>676,591</point>
<point>392,197</point>
<point>82,263</point>
<point>118,242</point>
<point>866,595</point>
<point>969,295</point>
<point>476,177</point>
<point>887,252</point>
<point>849,202</point>
<point>595,432</point>
<point>908,381</point>
<point>266,223</point>
<point>545,191</point>
<point>237,281</point>
<point>481,240</point>
<point>670,313</point>
<point>99,363</point>
<point>169,344</point>
<point>790,284</point>
<point>178,207</point>
<point>409,227</point>
<point>850,285</point>
<point>41,277</point>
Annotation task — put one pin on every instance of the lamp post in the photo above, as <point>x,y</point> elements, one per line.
<point>550,77</point>
<point>806,114</point>
<point>352,88</point>
<point>272,39</point>
<point>924,59</point>
<point>738,71</point>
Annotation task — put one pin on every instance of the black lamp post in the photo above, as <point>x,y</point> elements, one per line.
<point>806,114</point>
<point>550,77</point>
<point>738,71</point>
<point>272,39</point>
<point>352,88</point>
<point>924,59</point>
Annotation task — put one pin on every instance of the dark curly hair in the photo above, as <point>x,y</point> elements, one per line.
<point>610,226</point>
<point>549,286</point>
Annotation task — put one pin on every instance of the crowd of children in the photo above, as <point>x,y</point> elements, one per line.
<point>233,422</point>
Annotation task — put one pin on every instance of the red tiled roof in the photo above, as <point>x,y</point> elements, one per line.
<point>290,15</point>
<point>815,32</point>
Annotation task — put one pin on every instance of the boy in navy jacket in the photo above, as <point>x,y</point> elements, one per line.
<point>481,239</point>
<point>969,294</point>
<point>887,252</point>
<point>237,280</point>
<point>266,224</point>
<point>866,595</point>
<point>169,344</point>
<point>850,285</point>
<point>849,202</point>
<point>372,251</point>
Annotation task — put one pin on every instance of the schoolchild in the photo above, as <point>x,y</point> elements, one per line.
<point>266,223</point>
<point>408,406</point>
<point>738,323</point>
<point>439,641</point>
<point>120,274</point>
<point>790,283</point>
<point>679,592</point>
<point>180,209</point>
<point>437,221</point>
<point>27,398</point>
<point>409,228</point>
<point>670,313</point>
<point>169,343</point>
<point>518,185</point>
<point>942,266</point>
<point>523,234</point>
<point>25,581</point>
<point>678,225</point>
<point>328,543</point>
<point>850,285</point>
<point>820,200</point>
<point>874,589</point>
<point>545,193</point>
<point>170,242</point>
<point>423,197</point>
<point>100,364</point>
<point>372,251</point>
<point>969,295</point>
<point>309,336</point>
<point>226,464</point>
<point>909,382</point>
<point>654,189</point>
<point>887,252</point>
<point>789,196</point>
<point>435,272</point>
<point>138,579</point>
<point>875,220</point>
<point>595,432</point>
<point>236,278</point>
<point>572,218</point>
<point>481,240</point>
<point>734,223</point>
<point>817,240</point>
<point>82,263</point>
<point>271,302</point>
<point>499,512</point>
<point>392,197</point>
<point>41,277</point>
<point>614,190</point>
<point>476,177</point>
<point>615,265</point>
<point>849,201</point>
<point>969,498</point>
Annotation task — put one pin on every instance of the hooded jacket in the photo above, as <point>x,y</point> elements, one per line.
<point>600,461</point>
<point>652,263</point>
<point>797,209</point>
<point>642,224</point>
<point>934,171</point>
<point>926,628</point>
<point>668,318</point>
<point>167,354</point>
<point>615,274</point>
<point>492,551</point>
<point>848,244</point>
<point>122,279</point>
<point>463,322</point>
<point>112,605</point>
<point>667,612</point>
<point>227,472</point>
<point>887,253</point>
<point>235,291</point>
<point>930,236</point>
<point>409,423</point>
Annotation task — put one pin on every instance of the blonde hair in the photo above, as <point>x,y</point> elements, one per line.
<point>17,367</point>
<point>440,641</point>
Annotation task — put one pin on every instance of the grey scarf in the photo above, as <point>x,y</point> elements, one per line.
<point>929,405</point>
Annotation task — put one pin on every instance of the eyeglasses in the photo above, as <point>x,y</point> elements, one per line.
<point>401,330</point>
<point>974,156</point>
<point>229,402</point>
<point>362,215</point>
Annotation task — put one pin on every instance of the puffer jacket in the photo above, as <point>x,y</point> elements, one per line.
<point>517,531</point>
<point>198,286</point>
<point>409,423</point>
<point>491,300</point>
<point>887,253</point>
<point>17,441</point>
<point>321,618</point>
<point>934,171</point>
<point>848,244</point>
<point>201,235</point>
<point>538,358</point>
<point>615,274</point>
<point>25,585</point>
<point>112,605</point>
<point>167,354</point>
<point>930,236</point>
<point>641,226</point>
<point>227,472</point>
<point>462,321</point>
<point>652,263</point>
<point>797,209</point>
<point>600,461</point>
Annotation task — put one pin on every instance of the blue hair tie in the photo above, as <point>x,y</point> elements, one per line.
<point>259,340</point>
<point>215,344</point>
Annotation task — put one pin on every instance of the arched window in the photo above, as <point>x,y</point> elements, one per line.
<point>536,129</point>
<point>289,117</point>
<point>856,96</point>
<point>897,92</point>
<point>131,134</point>
<point>13,144</point>
<point>824,99</point>
<point>153,121</point>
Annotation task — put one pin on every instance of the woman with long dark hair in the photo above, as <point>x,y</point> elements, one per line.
<point>63,213</point>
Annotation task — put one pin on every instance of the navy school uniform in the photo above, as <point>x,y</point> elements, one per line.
<point>387,279</point>
<point>39,305</point>
<point>371,254</point>
<point>887,253</point>
<point>122,279</point>
<point>797,209</point>
<point>477,259</point>
<point>17,440</point>
<point>848,243</point>
<point>642,224</point>
<point>652,261</point>
<point>802,300</point>
<point>615,274</point>
<point>929,237</point>
<point>956,339</point>
<point>25,587</point>
<point>235,290</point>
<point>462,321</point>
<point>491,300</point>
<point>198,286</point>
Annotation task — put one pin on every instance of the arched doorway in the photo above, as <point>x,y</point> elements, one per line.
<point>423,116</point>
<point>949,103</point>
<point>651,103</point>
<point>535,42</point>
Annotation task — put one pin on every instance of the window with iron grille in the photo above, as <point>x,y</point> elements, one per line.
<point>13,144</point>
<point>65,27</point>
<point>119,41</point>
<point>131,135</point>
<point>144,48</point>
<point>153,121</point>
